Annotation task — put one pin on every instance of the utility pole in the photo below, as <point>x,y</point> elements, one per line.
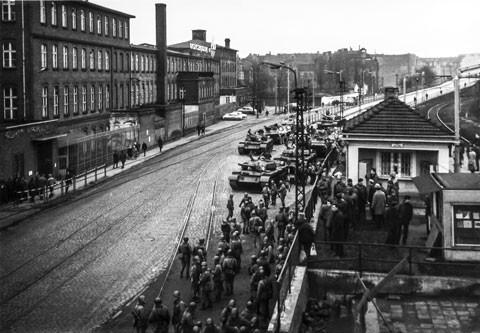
<point>405,89</point>
<point>288,91</point>
<point>276,92</point>
<point>456,97</point>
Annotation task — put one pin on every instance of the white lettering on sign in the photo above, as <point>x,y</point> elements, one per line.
<point>204,49</point>
<point>397,145</point>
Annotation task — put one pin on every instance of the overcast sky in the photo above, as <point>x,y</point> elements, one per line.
<point>428,28</point>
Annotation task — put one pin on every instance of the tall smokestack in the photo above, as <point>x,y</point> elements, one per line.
<point>161,34</point>
<point>227,43</point>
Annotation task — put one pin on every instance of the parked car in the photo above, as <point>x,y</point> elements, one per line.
<point>247,110</point>
<point>235,115</point>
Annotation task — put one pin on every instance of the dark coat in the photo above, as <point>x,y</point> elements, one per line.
<point>338,226</point>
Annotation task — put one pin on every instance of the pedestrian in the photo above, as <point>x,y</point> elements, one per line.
<point>206,287</point>
<point>361,200</point>
<point>159,317</point>
<point>144,148</point>
<point>266,195</point>
<point>229,270</point>
<point>325,218</point>
<point>68,179</point>
<point>115,159</point>
<point>123,158</point>
<point>378,206</point>
<point>472,157</point>
<point>199,129</point>
<point>51,184</point>
<point>273,192</point>
<point>203,129</point>
<point>160,143</point>
<point>338,232</point>
<point>393,222</point>
<point>306,236</point>
<point>281,222</point>
<point>282,191</point>
<point>140,316</point>
<point>185,255</point>
<point>230,206</point>
<point>405,214</point>
<point>178,309</point>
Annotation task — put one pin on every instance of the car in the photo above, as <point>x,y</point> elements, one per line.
<point>247,110</point>
<point>235,115</point>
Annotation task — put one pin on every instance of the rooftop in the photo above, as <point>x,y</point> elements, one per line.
<point>447,181</point>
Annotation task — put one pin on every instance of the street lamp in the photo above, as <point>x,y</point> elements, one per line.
<point>341,83</point>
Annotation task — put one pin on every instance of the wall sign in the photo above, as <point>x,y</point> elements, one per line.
<point>204,49</point>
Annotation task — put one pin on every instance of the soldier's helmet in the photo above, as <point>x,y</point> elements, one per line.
<point>192,305</point>
<point>158,300</point>
<point>141,299</point>
<point>209,321</point>
<point>253,257</point>
<point>176,294</point>
<point>204,264</point>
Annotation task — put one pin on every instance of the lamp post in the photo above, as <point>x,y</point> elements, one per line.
<point>182,93</point>
<point>300,97</point>
<point>341,84</point>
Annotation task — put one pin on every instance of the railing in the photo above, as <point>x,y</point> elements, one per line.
<point>58,188</point>
<point>377,257</point>
<point>284,279</point>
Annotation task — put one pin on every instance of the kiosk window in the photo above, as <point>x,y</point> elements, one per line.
<point>467,225</point>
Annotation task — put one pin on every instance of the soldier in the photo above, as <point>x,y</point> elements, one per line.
<point>234,322</point>
<point>195,277</point>
<point>243,214</point>
<point>270,230</point>
<point>230,206</point>
<point>273,192</point>
<point>140,316</point>
<point>236,227</point>
<point>226,229</point>
<point>254,280</point>
<point>281,222</point>
<point>226,311</point>
<point>282,192</point>
<point>159,317</point>
<point>248,313</point>
<point>210,327</point>
<point>266,195</point>
<point>178,309</point>
<point>245,199</point>
<point>237,249</point>
<point>217,279</point>
<point>200,246</point>
<point>205,286</point>
<point>188,321</point>
<point>262,211</point>
<point>229,270</point>
<point>264,263</point>
<point>254,220</point>
<point>253,265</point>
<point>264,294</point>
<point>185,255</point>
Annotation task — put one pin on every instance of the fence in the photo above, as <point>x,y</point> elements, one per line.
<point>284,279</point>
<point>377,257</point>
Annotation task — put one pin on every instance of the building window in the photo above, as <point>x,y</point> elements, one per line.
<point>100,98</point>
<point>136,62</point>
<point>84,99</point>
<point>9,103</point>
<point>120,29</point>
<point>398,162</point>
<point>75,100</point>
<point>82,20</point>
<point>74,19</point>
<point>99,25</point>
<point>105,24</point>
<point>54,56</point>
<point>74,58</point>
<point>92,98</point>
<point>99,60</point>
<point>54,13</point>
<point>142,64</point>
<point>8,10</point>
<point>9,55</point>
<point>65,101</point>
<point>43,12</point>
<point>43,56</point>
<point>84,59</point>
<point>126,30</point>
<point>65,57</point>
<point>64,16</point>
<point>90,22</point>
<point>44,102</point>
<point>91,59</point>
<point>107,97</point>
<point>114,27</point>
<point>466,225</point>
<point>55,102</point>
<point>107,61</point>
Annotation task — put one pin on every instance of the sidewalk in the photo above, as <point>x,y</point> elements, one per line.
<point>11,214</point>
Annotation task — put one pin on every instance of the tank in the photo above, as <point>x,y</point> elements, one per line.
<point>255,143</point>
<point>319,146</point>
<point>256,174</point>
<point>273,132</point>
<point>288,159</point>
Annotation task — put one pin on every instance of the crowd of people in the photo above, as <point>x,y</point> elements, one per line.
<point>39,186</point>
<point>271,236</point>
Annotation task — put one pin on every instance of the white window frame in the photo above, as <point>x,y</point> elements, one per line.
<point>43,12</point>
<point>64,17</point>
<point>114,27</point>
<point>9,103</point>
<point>43,56</point>
<point>126,30</point>
<point>84,99</point>
<point>54,13</point>
<point>90,22</point>
<point>74,19</point>
<point>142,63</point>
<point>44,102</point>
<point>75,100</point>
<point>99,60</point>
<point>66,105</point>
<point>74,58</point>
<point>54,56</point>
<point>401,156</point>
<point>100,98</point>
<point>99,25</point>
<point>92,98</point>
<point>8,11</point>
<point>82,20</point>
<point>55,102</point>
<point>107,61</point>
<point>65,57</point>
<point>83,59</point>
<point>105,25</point>
<point>91,60</point>
<point>136,63</point>
<point>9,55</point>
<point>107,97</point>
<point>120,29</point>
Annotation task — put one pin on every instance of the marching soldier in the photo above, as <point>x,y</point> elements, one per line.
<point>159,317</point>
<point>185,254</point>
<point>205,286</point>
<point>266,195</point>
<point>230,206</point>
<point>140,316</point>
<point>200,246</point>
<point>195,277</point>
<point>217,279</point>
<point>273,192</point>
<point>226,229</point>
<point>282,192</point>
<point>188,322</point>
<point>237,249</point>
<point>226,312</point>
<point>229,270</point>
<point>178,309</point>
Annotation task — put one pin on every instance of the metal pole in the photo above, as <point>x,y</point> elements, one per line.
<point>456,95</point>
<point>276,92</point>
<point>288,91</point>
<point>405,89</point>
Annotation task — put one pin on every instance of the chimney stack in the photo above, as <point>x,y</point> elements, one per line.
<point>161,34</point>
<point>199,34</point>
<point>227,43</point>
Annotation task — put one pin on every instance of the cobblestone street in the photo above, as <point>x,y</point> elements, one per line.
<point>70,267</point>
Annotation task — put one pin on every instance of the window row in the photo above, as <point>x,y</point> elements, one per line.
<point>398,162</point>
<point>95,24</point>
<point>76,99</point>
<point>175,65</point>
<point>143,63</point>
<point>98,59</point>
